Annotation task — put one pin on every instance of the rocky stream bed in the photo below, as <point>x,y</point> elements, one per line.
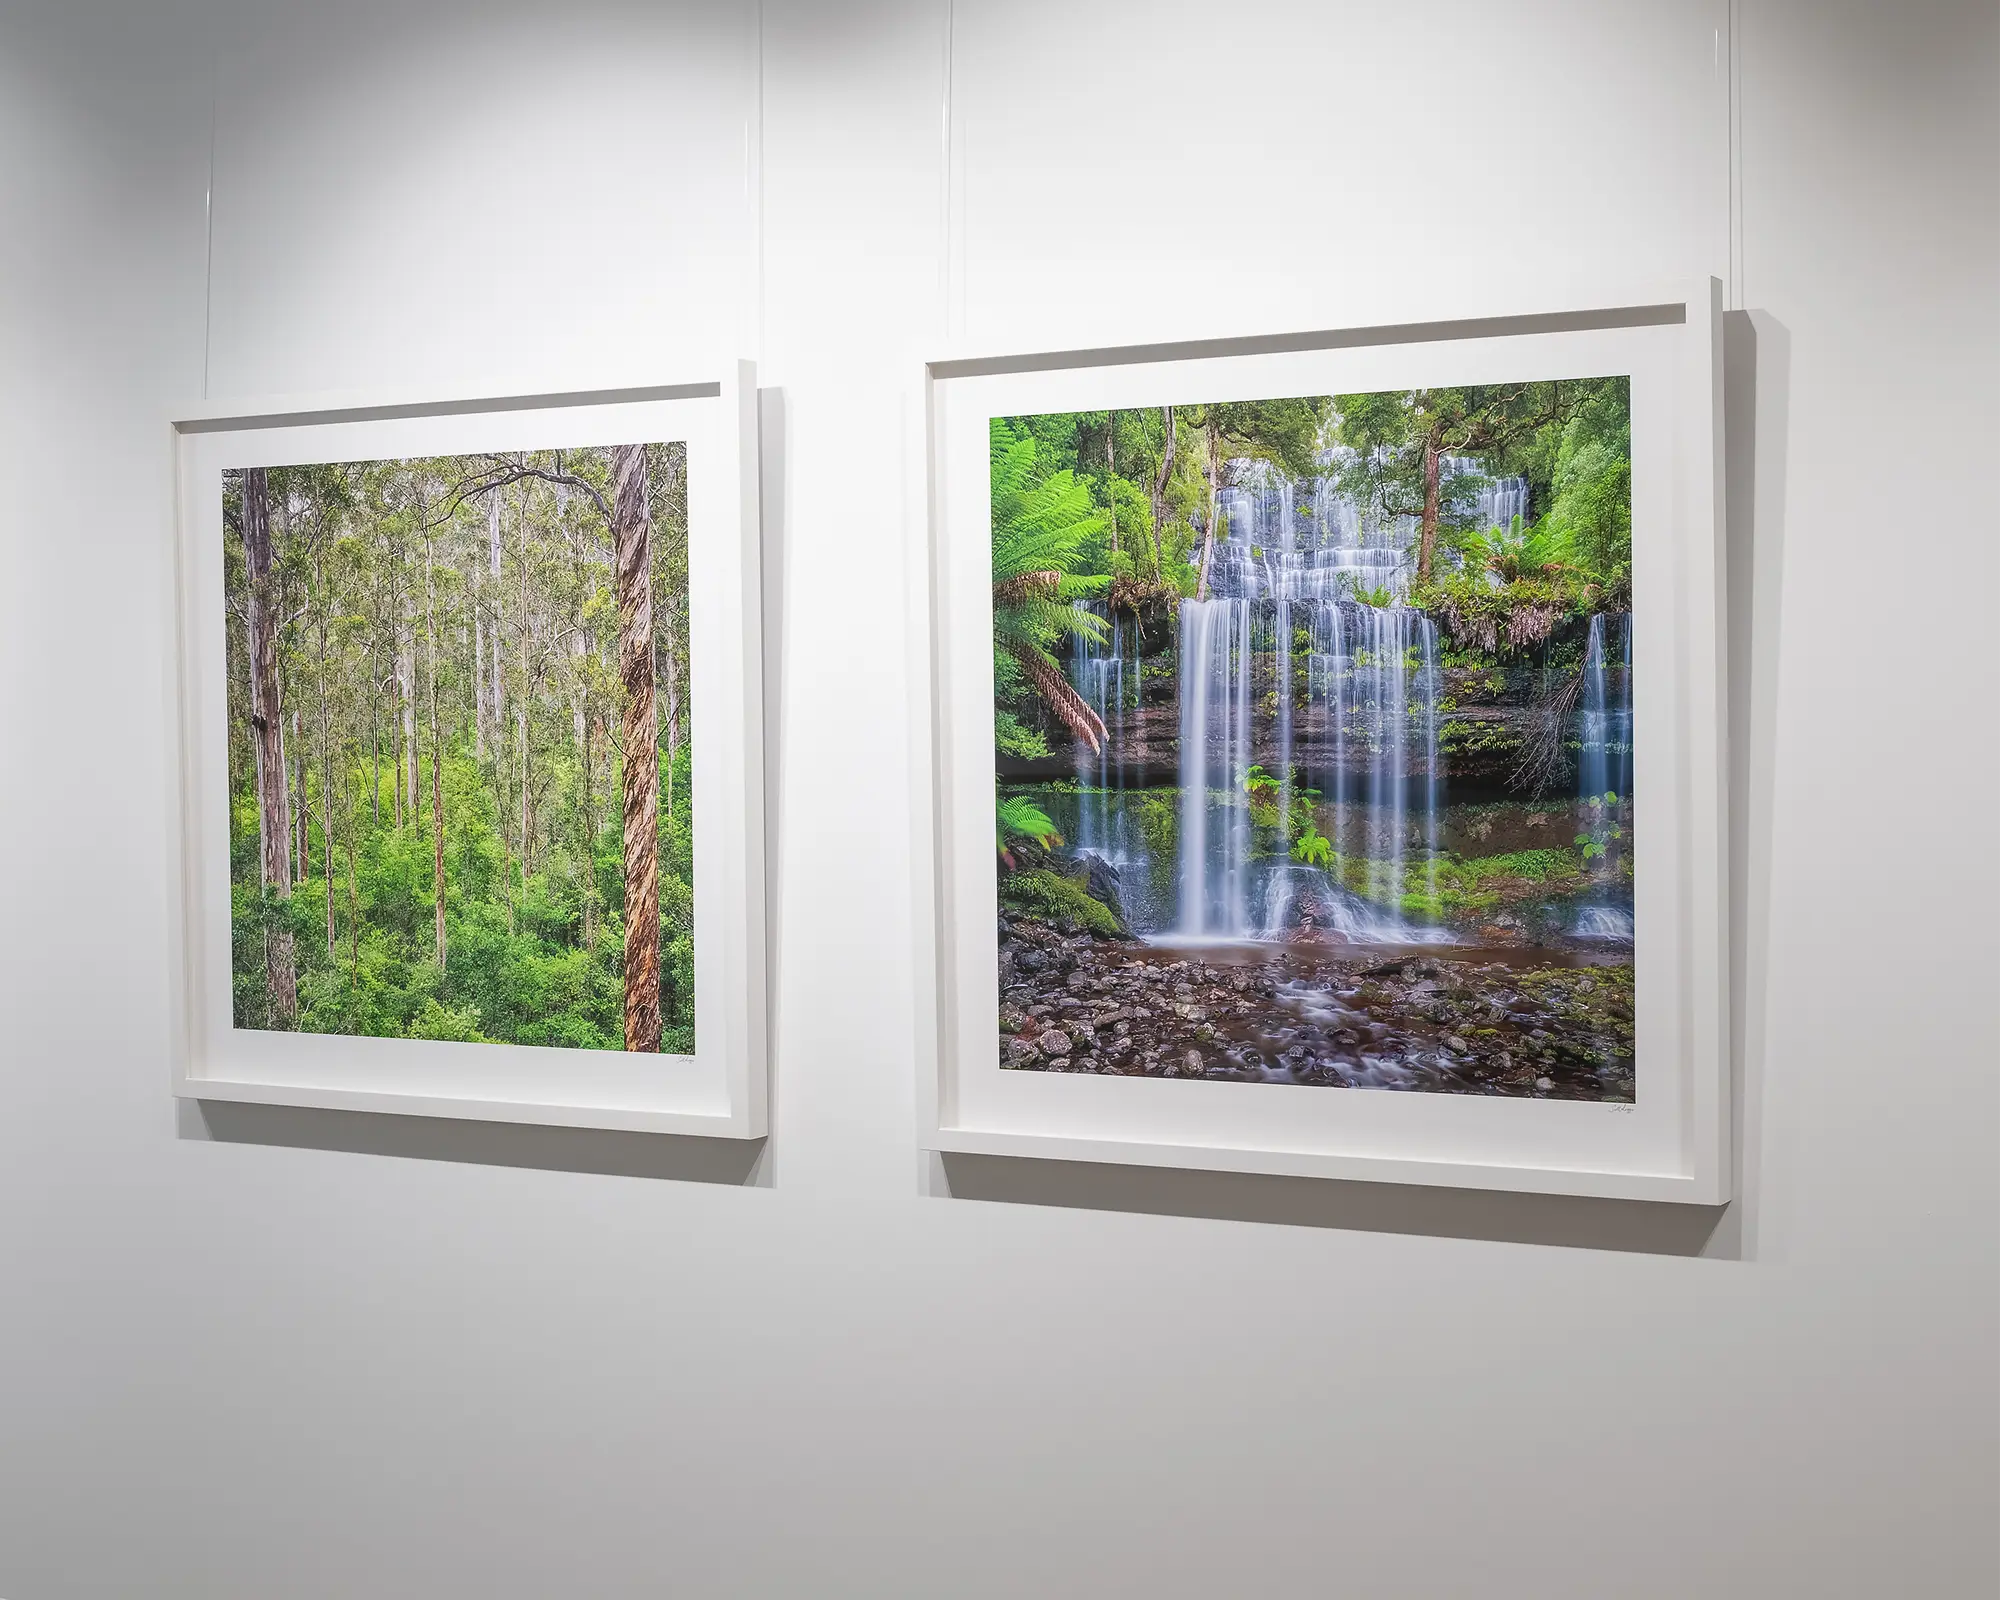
<point>1509,1021</point>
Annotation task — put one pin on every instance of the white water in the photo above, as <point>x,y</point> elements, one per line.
<point>1340,696</point>
<point>1604,767</point>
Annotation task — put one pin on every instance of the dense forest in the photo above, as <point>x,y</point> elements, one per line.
<point>460,748</point>
<point>1321,696</point>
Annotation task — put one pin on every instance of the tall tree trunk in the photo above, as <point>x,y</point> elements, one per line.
<point>632,536</point>
<point>326,793</point>
<point>1160,495</point>
<point>478,680</point>
<point>1214,484</point>
<point>325,748</point>
<point>375,739</point>
<point>304,804</point>
<point>413,776</point>
<point>353,890</point>
<point>396,727</point>
<point>483,595</point>
<point>267,729</point>
<point>437,742</point>
<point>673,687</point>
<point>589,828</point>
<point>1427,544</point>
<point>499,708</point>
<point>1111,468</point>
<point>521,721</point>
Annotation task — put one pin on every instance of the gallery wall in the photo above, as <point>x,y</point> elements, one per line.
<point>303,1354</point>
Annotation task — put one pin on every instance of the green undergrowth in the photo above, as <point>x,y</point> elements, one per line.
<point>1058,899</point>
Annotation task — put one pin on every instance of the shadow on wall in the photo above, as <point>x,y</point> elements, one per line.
<point>492,1144</point>
<point>1548,1219</point>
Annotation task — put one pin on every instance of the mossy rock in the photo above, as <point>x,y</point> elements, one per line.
<point>1060,899</point>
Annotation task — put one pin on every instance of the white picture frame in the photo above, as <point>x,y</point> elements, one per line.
<point>1672,1142</point>
<point>719,1091</point>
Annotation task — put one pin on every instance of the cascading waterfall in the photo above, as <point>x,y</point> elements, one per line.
<point>1604,762</point>
<point>1372,686</point>
<point>1359,724</point>
<point>1215,661</point>
<point>1107,677</point>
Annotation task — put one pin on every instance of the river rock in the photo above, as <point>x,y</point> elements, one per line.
<point>1021,1053</point>
<point>1192,1064</point>
<point>1055,1042</point>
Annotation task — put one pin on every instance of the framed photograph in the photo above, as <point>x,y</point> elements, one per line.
<point>470,803</point>
<point>1324,769</point>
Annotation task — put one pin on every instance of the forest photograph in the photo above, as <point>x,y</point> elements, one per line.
<point>460,748</point>
<point>1313,739</point>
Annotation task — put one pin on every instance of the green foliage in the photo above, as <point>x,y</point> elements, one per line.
<point>1013,737</point>
<point>1018,817</point>
<point>1041,523</point>
<point>387,575</point>
<point>1591,486</point>
<point>1313,848</point>
<point>1601,829</point>
<point>1058,899</point>
<point>1157,813</point>
<point>1513,553</point>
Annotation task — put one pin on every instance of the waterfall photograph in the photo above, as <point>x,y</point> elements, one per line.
<point>1313,740</point>
<point>459,748</point>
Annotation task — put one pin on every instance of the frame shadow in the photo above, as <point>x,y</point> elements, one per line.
<point>681,1158</point>
<point>1583,1223</point>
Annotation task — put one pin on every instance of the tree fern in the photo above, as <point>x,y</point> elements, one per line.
<point>1040,525</point>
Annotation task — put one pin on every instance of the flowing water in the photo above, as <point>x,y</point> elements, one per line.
<point>1311,787</point>
<point>1302,704</point>
<point>1604,769</point>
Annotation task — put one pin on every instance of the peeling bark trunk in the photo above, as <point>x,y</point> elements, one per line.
<point>632,538</point>
<point>267,735</point>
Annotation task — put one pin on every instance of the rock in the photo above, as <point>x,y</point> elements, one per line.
<point>1012,1019</point>
<point>1192,1064</point>
<point>1055,1042</point>
<point>1100,882</point>
<point>1030,960</point>
<point>1086,1063</point>
<point>1020,1053</point>
<point>1545,1083</point>
<point>1453,1042</point>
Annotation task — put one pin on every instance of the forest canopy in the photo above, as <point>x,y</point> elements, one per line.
<point>460,748</point>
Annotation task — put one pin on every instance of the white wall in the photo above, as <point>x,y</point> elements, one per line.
<point>303,1355</point>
